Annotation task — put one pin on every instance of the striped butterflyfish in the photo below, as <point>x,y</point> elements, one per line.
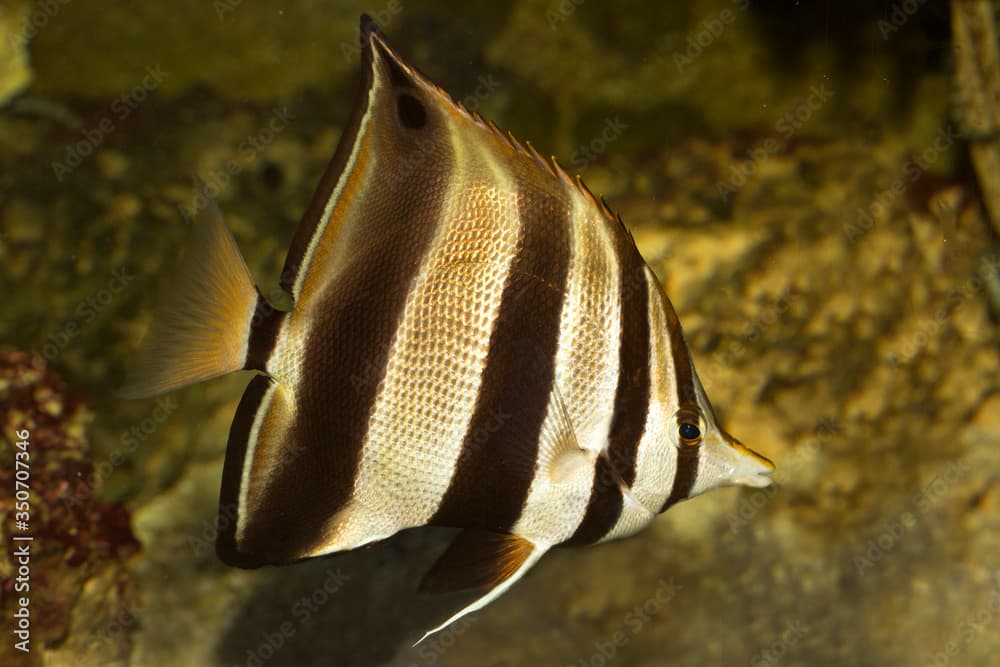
<point>473,341</point>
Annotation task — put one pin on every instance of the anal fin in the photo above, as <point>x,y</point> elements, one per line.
<point>478,558</point>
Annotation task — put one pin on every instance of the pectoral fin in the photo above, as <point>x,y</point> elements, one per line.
<point>476,559</point>
<point>559,452</point>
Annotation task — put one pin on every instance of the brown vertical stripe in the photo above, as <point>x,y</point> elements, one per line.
<point>309,224</point>
<point>352,325</point>
<point>685,477</point>
<point>631,399</point>
<point>683,369</point>
<point>687,400</point>
<point>603,508</point>
<point>347,355</point>
<point>239,435</point>
<point>264,328</point>
<point>632,394</point>
<point>495,468</point>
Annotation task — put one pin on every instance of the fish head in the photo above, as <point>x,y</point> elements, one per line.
<point>721,459</point>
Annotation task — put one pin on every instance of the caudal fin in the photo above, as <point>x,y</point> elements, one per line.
<point>202,329</point>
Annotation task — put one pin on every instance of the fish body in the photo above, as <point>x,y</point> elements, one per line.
<point>474,342</point>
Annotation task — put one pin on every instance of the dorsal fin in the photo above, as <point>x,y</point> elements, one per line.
<point>524,149</point>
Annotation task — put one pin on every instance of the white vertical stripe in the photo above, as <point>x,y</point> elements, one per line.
<point>656,459</point>
<point>258,421</point>
<point>586,371</point>
<point>338,189</point>
<point>426,401</point>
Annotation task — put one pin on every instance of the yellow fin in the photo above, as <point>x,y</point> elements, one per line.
<point>202,329</point>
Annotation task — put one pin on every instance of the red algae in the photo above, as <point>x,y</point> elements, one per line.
<point>66,537</point>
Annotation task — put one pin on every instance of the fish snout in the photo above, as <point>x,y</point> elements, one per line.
<point>750,468</point>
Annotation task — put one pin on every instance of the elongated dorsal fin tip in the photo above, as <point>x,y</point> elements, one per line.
<point>368,28</point>
<point>372,36</point>
<point>375,47</point>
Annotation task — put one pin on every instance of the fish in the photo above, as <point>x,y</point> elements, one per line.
<point>473,341</point>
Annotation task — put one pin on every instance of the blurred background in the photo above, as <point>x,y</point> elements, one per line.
<point>816,184</point>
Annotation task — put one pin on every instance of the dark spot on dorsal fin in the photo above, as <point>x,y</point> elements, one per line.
<point>411,111</point>
<point>372,39</point>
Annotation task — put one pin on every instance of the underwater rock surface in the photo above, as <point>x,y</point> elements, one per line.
<point>857,349</point>
<point>827,254</point>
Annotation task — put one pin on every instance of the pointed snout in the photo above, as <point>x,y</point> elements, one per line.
<point>752,469</point>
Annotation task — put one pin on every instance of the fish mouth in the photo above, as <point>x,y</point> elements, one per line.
<point>754,469</point>
<point>756,481</point>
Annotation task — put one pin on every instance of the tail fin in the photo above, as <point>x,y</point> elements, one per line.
<point>203,328</point>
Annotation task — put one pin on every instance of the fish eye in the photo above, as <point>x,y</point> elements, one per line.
<point>689,432</point>
<point>689,428</point>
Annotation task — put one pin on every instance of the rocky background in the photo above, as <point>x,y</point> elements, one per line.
<point>792,171</point>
